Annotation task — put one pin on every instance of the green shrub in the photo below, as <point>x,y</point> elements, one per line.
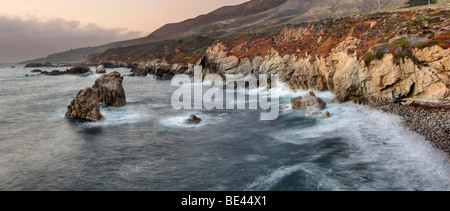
<point>379,55</point>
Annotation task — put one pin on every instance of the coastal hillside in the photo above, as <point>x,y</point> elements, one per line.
<point>370,58</point>
<point>231,20</point>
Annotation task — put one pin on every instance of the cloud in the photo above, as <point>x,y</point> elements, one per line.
<point>23,39</point>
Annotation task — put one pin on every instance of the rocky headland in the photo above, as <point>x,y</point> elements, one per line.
<point>372,59</point>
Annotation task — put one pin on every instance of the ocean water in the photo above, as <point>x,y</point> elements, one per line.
<point>146,146</point>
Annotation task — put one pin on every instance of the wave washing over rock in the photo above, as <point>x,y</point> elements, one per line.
<point>146,145</point>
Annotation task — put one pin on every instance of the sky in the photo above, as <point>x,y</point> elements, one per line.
<point>32,29</point>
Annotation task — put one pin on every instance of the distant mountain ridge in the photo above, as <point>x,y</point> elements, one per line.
<point>230,20</point>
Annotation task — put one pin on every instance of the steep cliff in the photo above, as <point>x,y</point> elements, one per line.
<point>367,59</point>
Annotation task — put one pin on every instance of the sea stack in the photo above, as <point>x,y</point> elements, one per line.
<point>85,106</point>
<point>111,90</point>
<point>108,90</point>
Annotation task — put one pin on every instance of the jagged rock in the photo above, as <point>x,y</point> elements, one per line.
<point>311,100</point>
<point>111,91</point>
<point>326,115</point>
<point>85,106</point>
<point>296,103</point>
<point>100,69</point>
<point>193,120</point>
<point>164,72</point>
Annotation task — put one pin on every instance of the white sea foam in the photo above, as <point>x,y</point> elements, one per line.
<point>380,140</point>
<point>122,116</point>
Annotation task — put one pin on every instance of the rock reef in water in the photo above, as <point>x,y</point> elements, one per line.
<point>309,101</point>
<point>108,90</point>
<point>77,70</point>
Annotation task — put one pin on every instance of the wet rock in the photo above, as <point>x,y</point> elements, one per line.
<point>296,103</point>
<point>111,91</point>
<point>312,101</point>
<point>85,106</point>
<point>36,71</point>
<point>193,120</point>
<point>326,115</point>
<point>100,69</point>
<point>164,72</point>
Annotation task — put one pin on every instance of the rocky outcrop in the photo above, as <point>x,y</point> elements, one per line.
<point>111,91</point>
<point>100,69</point>
<point>107,89</point>
<point>85,106</point>
<point>80,69</point>
<point>160,69</point>
<point>309,101</point>
<point>312,101</point>
<point>296,103</point>
<point>349,77</point>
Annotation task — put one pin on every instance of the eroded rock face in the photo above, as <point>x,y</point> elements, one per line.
<point>111,91</point>
<point>346,75</point>
<point>85,106</point>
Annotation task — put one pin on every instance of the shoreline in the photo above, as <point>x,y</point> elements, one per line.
<point>428,118</point>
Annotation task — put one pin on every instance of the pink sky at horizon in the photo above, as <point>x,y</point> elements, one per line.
<point>33,29</point>
<point>134,15</point>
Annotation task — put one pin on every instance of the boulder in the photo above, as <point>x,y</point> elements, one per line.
<point>85,106</point>
<point>36,71</point>
<point>100,69</point>
<point>193,120</point>
<point>309,101</point>
<point>79,69</point>
<point>296,103</point>
<point>326,115</point>
<point>312,101</point>
<point>111,91</point>
<point>164,72</point>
